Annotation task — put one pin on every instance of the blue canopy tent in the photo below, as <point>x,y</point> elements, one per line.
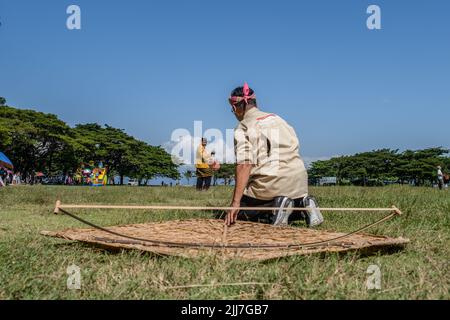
<point>5,162</point>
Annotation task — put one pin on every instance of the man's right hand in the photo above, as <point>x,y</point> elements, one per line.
<point>232,214</point>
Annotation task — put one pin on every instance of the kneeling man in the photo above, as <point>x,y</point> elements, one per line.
<point>269,169</point>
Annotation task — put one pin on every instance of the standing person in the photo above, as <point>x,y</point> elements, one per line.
<point>440,177</point>
<point>214,165</point>
<point>203,171</point>
<point>2,183</point>
<point>18,179</point>
<point>9,177</point>
<point>69,179</point>
<point>269,169</point>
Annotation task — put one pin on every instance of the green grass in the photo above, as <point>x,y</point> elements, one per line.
<point>34,267</point>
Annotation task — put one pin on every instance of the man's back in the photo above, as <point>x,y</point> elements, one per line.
<point>270,143</point>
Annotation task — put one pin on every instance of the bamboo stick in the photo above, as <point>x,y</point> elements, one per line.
<point>159,207</point>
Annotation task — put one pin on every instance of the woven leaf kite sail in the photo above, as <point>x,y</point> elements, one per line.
<point>244,240</point>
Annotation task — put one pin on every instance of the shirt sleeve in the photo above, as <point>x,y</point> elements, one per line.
<point>244,147</point>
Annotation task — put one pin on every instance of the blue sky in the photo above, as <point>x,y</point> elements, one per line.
<point>150,67</point>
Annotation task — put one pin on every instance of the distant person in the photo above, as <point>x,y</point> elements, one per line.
<point>2,183</point>
<point>9,177</point>
<point>17,178</point>
<point>440,177</point>
<point>269,169</point>
<point>203,170</point>
<point>3,174</point>
<point>214,164</point>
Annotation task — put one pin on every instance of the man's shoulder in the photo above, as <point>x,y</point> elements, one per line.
<point>269,119</point>
<point>259,117</point>
<point>259,114</point>
<point>256,116</point>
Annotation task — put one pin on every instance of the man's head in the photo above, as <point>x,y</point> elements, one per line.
<point>204,142</point>
<point>439,167</point>
<point>241,100</point>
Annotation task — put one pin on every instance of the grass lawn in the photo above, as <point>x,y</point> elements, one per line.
<point>34,267</point>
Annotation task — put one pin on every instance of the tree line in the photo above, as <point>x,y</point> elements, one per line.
<point>40,142</point>
<point>379,167</point>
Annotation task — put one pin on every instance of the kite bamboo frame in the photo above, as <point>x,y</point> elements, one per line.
<point>59,205</point>
<point>259,251</point>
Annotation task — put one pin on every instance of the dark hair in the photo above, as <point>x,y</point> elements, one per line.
<point>239,92</point>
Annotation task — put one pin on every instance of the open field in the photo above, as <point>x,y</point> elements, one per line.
<point>34,267</point>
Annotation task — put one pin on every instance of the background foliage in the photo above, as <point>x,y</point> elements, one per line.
<point>383,166</point>
<point>36,141</point>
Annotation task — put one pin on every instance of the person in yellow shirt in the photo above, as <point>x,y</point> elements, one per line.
<point>269,169</point>
<point>203,171</point>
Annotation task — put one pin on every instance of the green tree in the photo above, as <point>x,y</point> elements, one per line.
<point>376,167</point>
<point>226,172</point>
<point>36,141</point>
<point>188,174</point>
<point>123,154</point>
<point>150,162</point>
<point>420,165</point>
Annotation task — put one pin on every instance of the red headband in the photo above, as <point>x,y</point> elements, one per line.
<point>236,99</point>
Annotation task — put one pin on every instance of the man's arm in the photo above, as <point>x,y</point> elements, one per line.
<point>242,175</point>
<point>206,156</point>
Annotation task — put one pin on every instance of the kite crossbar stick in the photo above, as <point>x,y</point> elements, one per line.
<point>59,205</point>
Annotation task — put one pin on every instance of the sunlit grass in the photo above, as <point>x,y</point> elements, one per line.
<point>34,267</point>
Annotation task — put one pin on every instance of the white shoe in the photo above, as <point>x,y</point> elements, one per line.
<point>281,216</point>
<point>313,217</point>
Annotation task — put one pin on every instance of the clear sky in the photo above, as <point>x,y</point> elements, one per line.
<point>150,67</point>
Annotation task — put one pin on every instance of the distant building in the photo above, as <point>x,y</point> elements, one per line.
<point>327,181</point>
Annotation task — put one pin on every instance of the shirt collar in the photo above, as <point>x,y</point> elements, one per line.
<point>250,113</point>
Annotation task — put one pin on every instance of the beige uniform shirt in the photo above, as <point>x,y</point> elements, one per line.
<point>271,145</point>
